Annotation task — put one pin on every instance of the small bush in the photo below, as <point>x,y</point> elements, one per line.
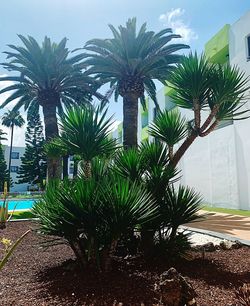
<point>93,215</point>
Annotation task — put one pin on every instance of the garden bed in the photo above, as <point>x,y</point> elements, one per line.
<point>36,276</point>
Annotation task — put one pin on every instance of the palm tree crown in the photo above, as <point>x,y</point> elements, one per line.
<point>130,61</point>
<point>12,118</point>
<point>2,136</point>
<point>48,77</point>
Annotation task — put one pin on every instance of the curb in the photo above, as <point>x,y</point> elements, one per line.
<point>217,235</point>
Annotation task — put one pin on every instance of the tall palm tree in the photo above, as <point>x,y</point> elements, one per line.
<point>11,119</point>
<point>48,78</point>
<point>130,61</point>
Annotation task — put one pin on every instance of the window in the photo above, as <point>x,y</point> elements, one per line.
<point>71,169</point>
<point>14,155</point>
<point>169,105</point>
<point>144,119</point>
<point>14,169</point>
<point>71,158</point>
<point>248,47</point>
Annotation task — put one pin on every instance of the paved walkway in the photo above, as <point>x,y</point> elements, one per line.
<point>233,225</point>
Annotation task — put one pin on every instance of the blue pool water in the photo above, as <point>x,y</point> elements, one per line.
<point>19,204</point>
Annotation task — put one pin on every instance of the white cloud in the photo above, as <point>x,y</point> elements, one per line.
<point>173,19</point>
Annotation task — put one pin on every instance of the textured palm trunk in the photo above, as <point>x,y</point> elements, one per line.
<point>130,120</point>
<point>87,169</point>
<point>147,242</point>
<point>170,152</point>
<point>54,165</point>
<point>79,253</point>
<point>11,146</point>
<point>108,255</point>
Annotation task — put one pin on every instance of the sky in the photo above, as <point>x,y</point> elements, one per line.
<point>80,20</point>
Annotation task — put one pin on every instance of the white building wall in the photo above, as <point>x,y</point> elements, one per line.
<point>238,56</point>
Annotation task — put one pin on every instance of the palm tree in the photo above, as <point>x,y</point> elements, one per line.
<point>48,78</point>
<point>11,119</point>
<point>130,61</point>
<point>2,137</point>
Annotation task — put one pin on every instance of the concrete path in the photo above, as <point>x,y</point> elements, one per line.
<point>232,225</point>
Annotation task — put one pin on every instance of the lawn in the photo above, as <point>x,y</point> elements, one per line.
<point>245,213</point>
<point>27,214</point>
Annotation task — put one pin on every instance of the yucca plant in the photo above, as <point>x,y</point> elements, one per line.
<point>91,216</point>
<point>179,207</point>
<point>85,132</point>
<point>169,127</point>
<point>201,86</point>
<point>129,164</point>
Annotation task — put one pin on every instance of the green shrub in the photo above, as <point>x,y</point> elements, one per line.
<point>93,215</point>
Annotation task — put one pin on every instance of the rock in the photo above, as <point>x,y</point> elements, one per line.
<point>207,247</point>
<point>226,245</point>
<point>237,245</point>
<point>174,289</point>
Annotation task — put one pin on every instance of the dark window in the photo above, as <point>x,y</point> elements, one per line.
<point>248,47</point>
<point>14,155</point>
<point>71,169</point>
<point>14,169</point>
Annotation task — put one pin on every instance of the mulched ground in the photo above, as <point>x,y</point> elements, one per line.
<point>36,276</point>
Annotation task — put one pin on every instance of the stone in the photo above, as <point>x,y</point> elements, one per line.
<point>174,289</point>
<point>226,245</point>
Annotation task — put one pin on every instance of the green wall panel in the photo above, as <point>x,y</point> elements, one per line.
<point>217,48</point>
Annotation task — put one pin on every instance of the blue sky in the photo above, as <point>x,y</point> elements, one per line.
<point>81,20</point>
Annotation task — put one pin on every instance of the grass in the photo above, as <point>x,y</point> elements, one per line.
<point>27,214</point>
<point>245,213</point>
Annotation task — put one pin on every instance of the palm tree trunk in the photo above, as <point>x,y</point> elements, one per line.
<point>11,145</point>
<point>54,165</point>
<point>130,120</point>
<point>87,169</point>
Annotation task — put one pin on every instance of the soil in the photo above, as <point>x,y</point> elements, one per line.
<point>43,276</point>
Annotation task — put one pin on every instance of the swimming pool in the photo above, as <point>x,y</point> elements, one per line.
<point>19,204</point>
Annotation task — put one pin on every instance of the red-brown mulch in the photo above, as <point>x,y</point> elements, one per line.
<point>36,276</point>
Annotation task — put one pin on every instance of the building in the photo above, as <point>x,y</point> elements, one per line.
<point>17,153</point>
<point>218,166</point>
